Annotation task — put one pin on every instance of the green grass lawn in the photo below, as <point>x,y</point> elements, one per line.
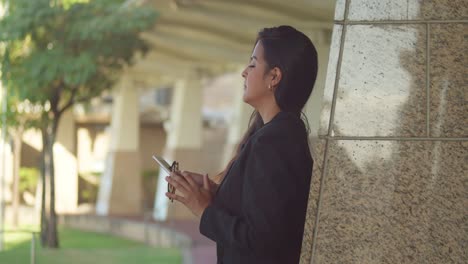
<point>83,248</point>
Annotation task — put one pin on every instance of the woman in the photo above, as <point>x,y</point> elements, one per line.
<point>257,213</point>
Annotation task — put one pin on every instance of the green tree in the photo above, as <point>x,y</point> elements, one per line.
<point>70,52</point>
<point>20,116</point>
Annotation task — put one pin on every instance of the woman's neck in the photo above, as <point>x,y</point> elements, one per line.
<point>267,112</point>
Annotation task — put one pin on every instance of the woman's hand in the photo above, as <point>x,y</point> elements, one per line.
<point>195,197</point>
<point>198,178</point>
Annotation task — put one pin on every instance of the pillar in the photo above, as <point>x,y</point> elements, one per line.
<point>184,139</point>
<point>120,188</point>
<point>393,178</point>
<point>314,104</point>
<point>66,169</point>
<point>238,124</point>
<point>6,165</point>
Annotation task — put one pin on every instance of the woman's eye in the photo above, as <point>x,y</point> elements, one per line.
<point>251,66</point>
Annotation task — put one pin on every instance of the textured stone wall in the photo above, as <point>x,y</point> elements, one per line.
<point>390,177</point>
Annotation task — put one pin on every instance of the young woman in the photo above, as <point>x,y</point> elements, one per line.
<point>257,213</point>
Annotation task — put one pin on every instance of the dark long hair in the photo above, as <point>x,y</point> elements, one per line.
<point>295,55</point>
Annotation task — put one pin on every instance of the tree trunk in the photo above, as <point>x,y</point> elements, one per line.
<point>53,241</point>
<point>49,226</point>
<point>44,218</point>
<point>18,142</point>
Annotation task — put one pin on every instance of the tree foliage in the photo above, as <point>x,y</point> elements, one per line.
<point>57,53</point>
<point>69,53</point>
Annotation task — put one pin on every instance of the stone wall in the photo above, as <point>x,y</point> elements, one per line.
<point>389,183</point>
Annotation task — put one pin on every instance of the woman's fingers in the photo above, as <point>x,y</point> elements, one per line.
<point>177,197</point>
<point>194,196</point>
<point>193,174</point>
<point>190,180</point>
<point>206,183</point>
<point>179,183</point>
<point>197,178</point>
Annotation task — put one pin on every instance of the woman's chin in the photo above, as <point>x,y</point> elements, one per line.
<point>248,102</point>
<point>248,99</point>
<point>245,97</point>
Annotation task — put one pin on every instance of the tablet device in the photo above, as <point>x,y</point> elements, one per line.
<point>163,164</point>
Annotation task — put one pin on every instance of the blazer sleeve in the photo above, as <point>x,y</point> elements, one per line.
<point>268,192</point>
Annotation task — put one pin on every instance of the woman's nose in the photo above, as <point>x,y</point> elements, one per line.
<point>244,73</point>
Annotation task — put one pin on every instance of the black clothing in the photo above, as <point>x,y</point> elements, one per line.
<point>258,213</point>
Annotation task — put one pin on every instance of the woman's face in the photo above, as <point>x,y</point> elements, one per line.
<point>256,86</point>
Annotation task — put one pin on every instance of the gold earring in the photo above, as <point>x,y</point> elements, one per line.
<point>269,87</point>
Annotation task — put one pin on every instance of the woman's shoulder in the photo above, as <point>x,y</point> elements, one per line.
<point>283,127</point>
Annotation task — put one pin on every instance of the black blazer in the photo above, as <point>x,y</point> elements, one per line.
<point>258,213</point>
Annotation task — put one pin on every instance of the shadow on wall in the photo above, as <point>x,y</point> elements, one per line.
<point>395,201</point>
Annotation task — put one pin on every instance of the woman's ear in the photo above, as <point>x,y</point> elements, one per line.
<point>276,76</point>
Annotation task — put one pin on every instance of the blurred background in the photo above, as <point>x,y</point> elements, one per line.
<point>91,89</point>
<point>180,97</point>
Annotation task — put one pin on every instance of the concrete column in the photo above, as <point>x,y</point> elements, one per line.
<point>120,187</point>
<point>390,173</point>
<point>66,170</point>
<point>315,102</point>
<point>6,168</point>
<point>238,124</point>
<point>6,164</point>
<point>184,139</point>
